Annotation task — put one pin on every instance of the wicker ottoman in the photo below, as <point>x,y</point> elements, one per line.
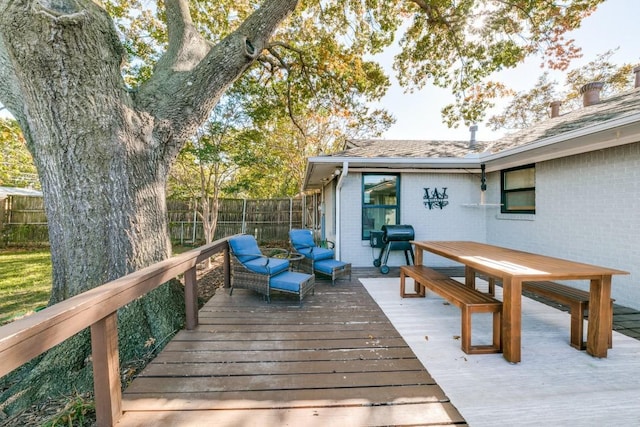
<point>293,282</point>
<point>331,267</point>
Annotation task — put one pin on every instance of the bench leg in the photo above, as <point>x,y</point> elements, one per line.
<point>577,325</point>
<point>497,330</point>
<point>419,289</point>
<point>611,330</point>
<point>466,330</point>
<point>467,347</point>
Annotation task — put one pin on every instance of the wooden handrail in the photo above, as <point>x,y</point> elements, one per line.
<point>24,339</point>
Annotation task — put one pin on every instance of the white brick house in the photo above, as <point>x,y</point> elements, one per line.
<point>568,187</point>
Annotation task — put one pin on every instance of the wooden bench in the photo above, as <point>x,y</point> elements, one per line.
<point>468,300</point>
<point>576,299</point>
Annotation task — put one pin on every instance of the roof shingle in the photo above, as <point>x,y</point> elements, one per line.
<point>615,107</point>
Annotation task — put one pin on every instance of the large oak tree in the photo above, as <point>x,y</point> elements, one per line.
<point>103,143</point>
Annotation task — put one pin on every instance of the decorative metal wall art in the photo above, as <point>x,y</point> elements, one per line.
<point>436,198</point>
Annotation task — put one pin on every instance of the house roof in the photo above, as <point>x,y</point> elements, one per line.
<point>612,121</point>
<point>410,149</point>
<point>615,107</point>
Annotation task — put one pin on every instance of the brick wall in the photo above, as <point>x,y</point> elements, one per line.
<point>456,221</point>
<point>587,209</point>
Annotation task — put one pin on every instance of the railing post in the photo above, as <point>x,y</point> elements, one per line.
<point>227,267</point>
<point>106,370</point>
<point>191,298</point>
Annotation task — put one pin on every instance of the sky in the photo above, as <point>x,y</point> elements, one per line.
<point>418,116</point>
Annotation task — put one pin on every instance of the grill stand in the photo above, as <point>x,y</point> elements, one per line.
<point>381,261</point>
<point>395,238</point>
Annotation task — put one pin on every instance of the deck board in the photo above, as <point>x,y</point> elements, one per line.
<point>334,360</point>
<point>419,414</point>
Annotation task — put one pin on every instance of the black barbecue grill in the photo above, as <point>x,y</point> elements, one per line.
<point>395,238</point>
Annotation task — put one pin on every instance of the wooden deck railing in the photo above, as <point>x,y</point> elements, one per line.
<point>24,339</point>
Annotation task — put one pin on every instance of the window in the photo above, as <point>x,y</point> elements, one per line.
<point>380,202</point>
<point>518,188</point>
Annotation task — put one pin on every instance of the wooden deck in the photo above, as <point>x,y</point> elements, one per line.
<point>335,360</point>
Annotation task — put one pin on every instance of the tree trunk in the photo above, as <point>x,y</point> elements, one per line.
<point>103,182</point>
<point>103,154</point>
<point>209,218</point>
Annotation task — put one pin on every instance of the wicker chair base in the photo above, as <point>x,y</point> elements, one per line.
<point>243,278</point>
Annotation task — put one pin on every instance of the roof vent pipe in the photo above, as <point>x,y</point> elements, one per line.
<point>636,70</point>
<point>591,93</point>
<point>472,141</point>
<point>555,108</point>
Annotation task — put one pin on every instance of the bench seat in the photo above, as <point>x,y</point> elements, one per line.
<point>419,271</point>
<point>576,299</point>
<point>467,299</point>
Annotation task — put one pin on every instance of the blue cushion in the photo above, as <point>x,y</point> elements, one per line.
<point>264,265</point>
<point>301,238</point>
<point>327,266</point>
<point>245,248</point>
<point>288,281</point>
<point>302,241</point>
<point>317,253</point>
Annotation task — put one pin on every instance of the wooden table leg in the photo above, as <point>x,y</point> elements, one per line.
<point>469,277</point>
<point>511,318</point>
<point>417,260</point>
<point>599,317</point>
<point>418,255</point>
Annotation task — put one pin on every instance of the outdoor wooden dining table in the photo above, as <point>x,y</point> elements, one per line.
<point>513,267</point>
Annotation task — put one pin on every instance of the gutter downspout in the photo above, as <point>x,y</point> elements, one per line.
<point>343,174</point>
<point>323,234</point>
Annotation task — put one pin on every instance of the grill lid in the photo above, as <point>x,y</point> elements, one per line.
<point>397,233</point>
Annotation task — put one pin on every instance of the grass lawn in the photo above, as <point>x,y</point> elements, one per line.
<point>25,282</point>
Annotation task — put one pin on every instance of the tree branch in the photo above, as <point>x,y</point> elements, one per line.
<point>186,46</point>
<point>192,75</point>
<point>435,17</point>
<point>290,110</point>
<point>9,94</point>
<point>279,59</point>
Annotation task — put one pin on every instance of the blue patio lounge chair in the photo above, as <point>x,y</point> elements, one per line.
<point>317,259</point>
<point>250,269</point>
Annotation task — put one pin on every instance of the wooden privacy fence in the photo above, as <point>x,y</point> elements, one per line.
<point>267,219</point>
<point>24,223</point>
<point>24,339</point>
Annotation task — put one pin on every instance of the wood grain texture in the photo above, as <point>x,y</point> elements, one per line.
<point>335,360</point>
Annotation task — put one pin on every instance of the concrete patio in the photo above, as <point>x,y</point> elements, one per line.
<point>553,385</point>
